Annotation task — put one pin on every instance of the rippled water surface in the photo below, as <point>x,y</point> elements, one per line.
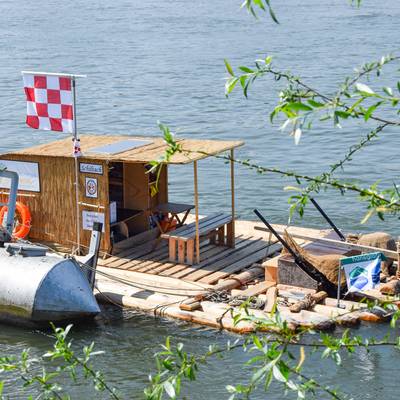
<point>163,60</point>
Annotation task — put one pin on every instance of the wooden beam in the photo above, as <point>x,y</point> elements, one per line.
<point>337,243</point>
<point>196,203</point>
<point>231,230</point>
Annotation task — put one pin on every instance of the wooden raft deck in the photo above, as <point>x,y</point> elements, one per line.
<point>217,262</point>
<point>141,277</point>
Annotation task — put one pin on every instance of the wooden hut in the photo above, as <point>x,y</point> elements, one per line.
<point>114,185</point>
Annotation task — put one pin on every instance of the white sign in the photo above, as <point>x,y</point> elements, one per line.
<point>91,168</point>
<point>28,173</point>
<point>91,187</point>
<point>88,217</point>
<point>113,212</point>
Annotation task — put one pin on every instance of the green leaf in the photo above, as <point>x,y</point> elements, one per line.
<point>259,3</point>
<point>296,189</point>
<point>243,80</point>
<point>388,91</point>
<point>278,374</point>
<point>342,114</point>
<point>315,104</point>
<point>230,84</point>
<point>246,69</point>
<point>259,373</point>
<point>364,89</point>
<point>268,60</point>
<point>272,14</point>
<point>169,389</point>
<point>370,110</point>
<point>228,67</point>
<point>298,107</point>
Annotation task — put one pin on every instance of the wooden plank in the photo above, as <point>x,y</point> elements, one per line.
<point>256,289</point>
<point>295,289</point>
<point>221,235</point>
<point>181,251</point>
<point>211,226</point>
<point>135,252</point>
<point>212,255</point>
<point>251,255</point>
<point>190,251</point>
<point>152,281</point>
<point>196,202</point>
<point>138,265</point>
<point>145,254</point>
<point>230,234</point>
<point>172,249</point>
<point>135,241</point>
<point>272,294</point>
<point>157,266</point>
<point>231,226</point>
<point>219,254</point>
<point>192,226</point>
<point>204,228</point>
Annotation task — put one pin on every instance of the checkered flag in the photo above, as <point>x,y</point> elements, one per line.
<point>49,102</point>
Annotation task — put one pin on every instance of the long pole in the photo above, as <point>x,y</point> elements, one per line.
<point>232,233</point>
<point>196,203</point>
<point>78,224</point>
<point>330,222</point>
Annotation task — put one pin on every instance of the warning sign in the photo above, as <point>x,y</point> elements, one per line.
<point>88,217</point>
<point>91,187</point>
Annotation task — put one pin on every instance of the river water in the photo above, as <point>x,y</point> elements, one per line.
<point>152,60</point>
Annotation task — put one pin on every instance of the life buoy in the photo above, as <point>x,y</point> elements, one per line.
<point>23,226</point>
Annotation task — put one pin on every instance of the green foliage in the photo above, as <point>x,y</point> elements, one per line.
<point>300,104</point>
<point>279,358</point>
<point>57,363</point>
<point>156,166</point>
<point>264,5</point>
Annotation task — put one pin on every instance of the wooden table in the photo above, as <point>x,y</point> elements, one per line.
<point>173,209</point>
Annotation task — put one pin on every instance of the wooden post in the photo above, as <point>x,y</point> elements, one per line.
<point>398,258</point>
<point>231,227</point>
<point>196,203</point>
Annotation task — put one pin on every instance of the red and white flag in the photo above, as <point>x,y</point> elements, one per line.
<point>49,102</point>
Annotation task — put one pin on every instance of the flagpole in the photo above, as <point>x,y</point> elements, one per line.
<point>75,139</point>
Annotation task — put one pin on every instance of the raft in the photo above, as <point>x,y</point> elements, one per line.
<point>144,280</point>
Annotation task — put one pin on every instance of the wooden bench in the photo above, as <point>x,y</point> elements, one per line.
<point>182,240</point>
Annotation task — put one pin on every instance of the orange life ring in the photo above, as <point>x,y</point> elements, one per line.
<point>23,226</point>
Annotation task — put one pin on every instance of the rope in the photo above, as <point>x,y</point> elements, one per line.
<point>128,282</point>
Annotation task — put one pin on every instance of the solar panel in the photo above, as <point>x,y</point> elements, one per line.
<point>119,147</point>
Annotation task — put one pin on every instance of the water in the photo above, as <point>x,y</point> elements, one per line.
<point>149,61</point>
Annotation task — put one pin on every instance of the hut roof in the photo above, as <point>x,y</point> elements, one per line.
<point>132,149</point>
